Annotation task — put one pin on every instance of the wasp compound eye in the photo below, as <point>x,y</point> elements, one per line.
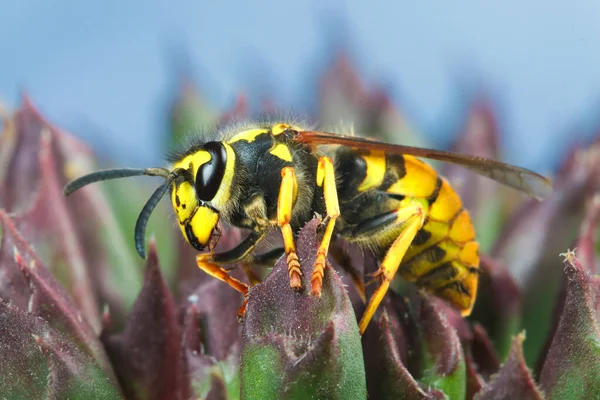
<point>210,174</point>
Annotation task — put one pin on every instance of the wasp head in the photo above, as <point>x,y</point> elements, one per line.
<point>198,191</point>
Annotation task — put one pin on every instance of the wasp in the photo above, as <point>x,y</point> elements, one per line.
<point>380,196</point>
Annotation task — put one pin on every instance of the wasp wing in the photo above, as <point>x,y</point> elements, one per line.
<point>518,178</point>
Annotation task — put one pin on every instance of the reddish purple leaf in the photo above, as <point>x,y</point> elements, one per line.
<point>44,363</point>
<point>38,292</point>
<point>498,305</point>
<point>572,366</point>
<point>215,306</point>
<point>475,381</point>
<point>68,235</point>
<point>444,363</point>
<point>483,353</point>
<point>147,354</point>
<point>514,381</point>
<point>440,338</point>
<point>391,348</point>
<point>205,374</point>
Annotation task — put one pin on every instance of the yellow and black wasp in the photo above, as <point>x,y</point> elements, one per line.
<point>378,195</point>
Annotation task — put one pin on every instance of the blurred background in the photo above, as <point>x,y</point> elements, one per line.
<point>110,71</point>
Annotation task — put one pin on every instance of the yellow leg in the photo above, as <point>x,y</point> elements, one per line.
<point>411,219</point>
<point>284,215</point>
<point>325,179</point>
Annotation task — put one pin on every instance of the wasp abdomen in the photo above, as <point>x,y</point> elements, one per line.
<point>443,256</point>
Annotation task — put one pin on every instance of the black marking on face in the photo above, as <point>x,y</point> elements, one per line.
<point>192,239</point>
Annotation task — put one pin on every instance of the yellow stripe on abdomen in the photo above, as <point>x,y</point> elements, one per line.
<point>420,179</point>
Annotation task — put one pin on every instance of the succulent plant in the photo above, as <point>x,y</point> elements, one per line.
<point>82,317</point>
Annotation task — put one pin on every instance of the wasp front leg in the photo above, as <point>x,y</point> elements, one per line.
<point>211,264</point>
<point>206,264</point>
<point>326,180</point>
<point>287,191</point>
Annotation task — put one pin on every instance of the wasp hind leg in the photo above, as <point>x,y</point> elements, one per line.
<point>326,180</point>
<point>410,218</point>
<point>285,202</point>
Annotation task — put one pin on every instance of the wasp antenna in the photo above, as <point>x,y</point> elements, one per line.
<point>112,174</point>
<point>142,221</point>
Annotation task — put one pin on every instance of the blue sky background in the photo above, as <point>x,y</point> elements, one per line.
<point>102,69</point>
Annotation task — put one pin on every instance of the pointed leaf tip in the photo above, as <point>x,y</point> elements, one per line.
<point>572,365</point>
<point>514,380</point>
<point>150,363</point>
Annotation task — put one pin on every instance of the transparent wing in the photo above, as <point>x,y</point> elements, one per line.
<point>518,178</point>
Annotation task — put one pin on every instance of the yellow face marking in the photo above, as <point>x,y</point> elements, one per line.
<point>186,190</point>
<point>183,198</point>
<point>420,179</point>
<point>376,166</point>
<point>203,223</point>
<point>193,161</point>
<point>281,151</point>
<point>248,135</point>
